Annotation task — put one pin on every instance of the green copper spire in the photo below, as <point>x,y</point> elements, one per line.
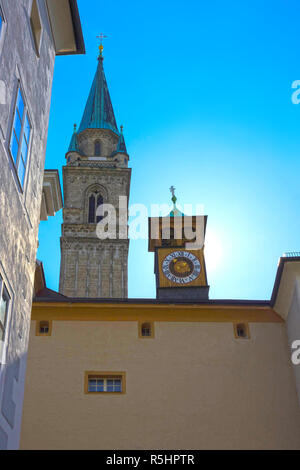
<point>174,212</point>
<point>99,113</point>
<point>121,144</point>
<point>73,147</point>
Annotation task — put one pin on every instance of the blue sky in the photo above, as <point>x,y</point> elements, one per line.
<point>203,90</point>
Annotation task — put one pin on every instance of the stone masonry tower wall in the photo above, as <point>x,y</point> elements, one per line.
<point>91,267</point>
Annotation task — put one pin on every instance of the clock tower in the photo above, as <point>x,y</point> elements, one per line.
<point>96,173</point>
<point>178,243</point>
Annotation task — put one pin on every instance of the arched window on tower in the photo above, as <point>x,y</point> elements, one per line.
<point>97,148</point>
<point>95,201</point>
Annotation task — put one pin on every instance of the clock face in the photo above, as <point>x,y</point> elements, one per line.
<point>181,267</point>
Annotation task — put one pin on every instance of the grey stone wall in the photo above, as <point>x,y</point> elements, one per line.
<point>20,210</point>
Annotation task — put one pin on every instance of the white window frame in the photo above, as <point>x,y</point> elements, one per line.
<point>26,112</point>
<point>4,26</point>
<point>104,380</point>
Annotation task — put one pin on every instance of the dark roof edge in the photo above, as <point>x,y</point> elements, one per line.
<point>40,264</point>
<point>258,303</point>
<point>282,261</point>
<point>77,27</point>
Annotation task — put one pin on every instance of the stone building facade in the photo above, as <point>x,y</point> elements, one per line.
<point>32,33</point>
<point>96,173</point>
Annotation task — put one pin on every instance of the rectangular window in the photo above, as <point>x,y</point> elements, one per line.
<point>105,382</point>
<point>4,306</point>
<point>20,137</point>
<point>36,26</point>
<point>241,331</point>
<point>1,20</point>
<point>146,330</point>
<point>43,328</point>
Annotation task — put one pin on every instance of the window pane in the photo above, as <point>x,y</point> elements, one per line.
<point>92,202</point>
<point>100,385</point>
<point>21,172</point>
<point>114,385</point>
<point>17,126</point>
<point>20,104</point>
<point>1,20</point>
<point>27,129</point>
<point>97,148</point>
<point>104,385</point>
<point>14,146</point>
<point>4,302</point>
<point>16,137</point>
<point>100,212</point>
<point>2,311</point>
<point>44,327</point>
<point>146,329</point>
<point>24,150</point>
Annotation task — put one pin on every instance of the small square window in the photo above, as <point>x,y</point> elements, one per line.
<point>241,331</point>
<point>146,329</point>
<point>105,382</point>
<point>44,328</point>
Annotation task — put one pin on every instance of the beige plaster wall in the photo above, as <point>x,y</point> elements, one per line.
<point>193,386</point>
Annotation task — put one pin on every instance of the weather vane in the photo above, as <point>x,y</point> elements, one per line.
<point>101,37</point>
<point>172,191</point>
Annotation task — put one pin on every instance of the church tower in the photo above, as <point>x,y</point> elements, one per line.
<point>96,173</point>
<point>178,243</point>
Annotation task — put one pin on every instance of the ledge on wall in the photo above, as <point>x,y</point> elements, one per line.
<point>52,196</point>
<point>287,277</point>
<point>66,27</point>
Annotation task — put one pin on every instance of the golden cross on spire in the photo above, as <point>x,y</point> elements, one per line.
<point>101,37</point>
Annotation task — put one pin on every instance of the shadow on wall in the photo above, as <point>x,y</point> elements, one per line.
<point>11,374</point>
